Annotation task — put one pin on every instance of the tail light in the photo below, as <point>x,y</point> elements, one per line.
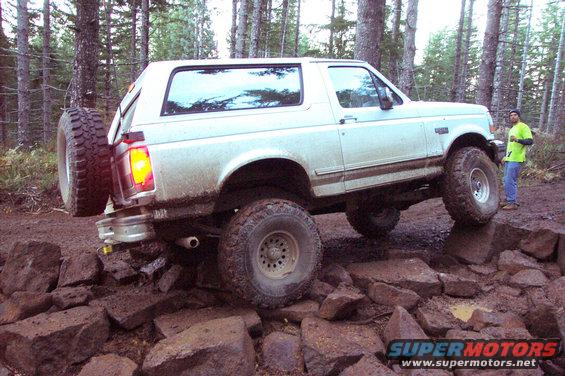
<point>141,169</point>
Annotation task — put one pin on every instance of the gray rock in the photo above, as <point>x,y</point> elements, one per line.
<point>514,261</point>
<point>369,365</point>
<point>47,343</point>
<point>83,268</point>
<point>68,297</point>
<point>434,320</point>
<point>174,323</point>
<point>24,304</point>
<point>455,285</point>
<point>109,364</point>
<point>282,352</point>
<point>334,274</point>
<point>556,291</point>
<point>340,304</point>
<point>402,325</point>
<point>329,348</point>
<point>320,290</point>
<point>31,266</point>
<point>481,319</point>
<point>540,243</point>
<point>152,271</point>
<point>384,294</point>
<point>412,274</point>
<point>217,347</point>
<point>528,278</point>
<point>133,307</point>
<point>500,332</point>
<point>120,271</point>
<point>176,277</point>
<point>482,269</point>
<point>294,313</point>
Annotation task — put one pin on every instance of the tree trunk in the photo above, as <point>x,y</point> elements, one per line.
<point>543,108</point>
<point>457,64</point>
<point>241,29</point>
<point>488,58</point>
<point>284,25</point>
<point>525,58</point>
<point>267,23</point>
<point>83,93</point>
<point>133,41</point>
<point>393,63</point>
<point>107,72</point>
<point>496,102</point>
<point>552,117</point>
<point>144,53</point>
<point>407,74</point>
<point>509,81</point>
<point>297,34</point>
<point>24,106</point>
<point>45,68</point>
<point>462,86</point>
<point>560,115</point>
<point>233,30</point>
<point>331,41</point>
<point>369,31</point>
<point>255,27</point>
<point>3,116</point>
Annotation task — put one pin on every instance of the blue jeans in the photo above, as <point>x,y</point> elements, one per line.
<point>511,173</point>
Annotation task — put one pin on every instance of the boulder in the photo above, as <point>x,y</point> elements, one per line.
<point>482,269</point>
<point>507,235</point>
<point>455,285</point>
<point>541,318</point>
<point>282,352</point>
<point>514,261</point>
<point>216,347</point>
<point>528,278</point>
<point>340,304</point>
<point>31,266</point>
<point>471,245</point>
<point>556,291</point>
<point>481,319</point>
<point>382,293</point>
<point>500,332</point>
<point>540,243</point>
<point>24,304</point>
<point>465,334</point>
<point>329,348</point>
<point>171,324</point>
<point>561,253</point>
<point>109,364</point>
<point>412,274</point>
<point>47,343</point>
<point>150,272</point>
<point>402,325</point>
<point>176,277</point>
<point>320,290</point>
<point>436,319</point>
<point>119,271</point>
<point>83,268</point>
<point>133,307</point>
<point>68,297</point>
<point>334,274</point>
<point>395,253</point>
<point>294,313</point>
<point>369,365</point>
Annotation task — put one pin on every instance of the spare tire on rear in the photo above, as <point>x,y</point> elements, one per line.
<point>83,160</point>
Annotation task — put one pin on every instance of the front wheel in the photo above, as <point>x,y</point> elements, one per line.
<point>470,187</point>
<point>270,252</point>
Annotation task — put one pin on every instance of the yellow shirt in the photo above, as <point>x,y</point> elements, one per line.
<point>515,151</point>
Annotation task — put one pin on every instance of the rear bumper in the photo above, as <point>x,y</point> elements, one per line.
<point>128,229</point>
<point>498,150</point>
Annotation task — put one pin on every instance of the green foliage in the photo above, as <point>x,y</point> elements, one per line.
<point>21,171</point>
<point>543,159</point>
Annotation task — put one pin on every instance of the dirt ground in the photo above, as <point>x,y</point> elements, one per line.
<point>423,226</point>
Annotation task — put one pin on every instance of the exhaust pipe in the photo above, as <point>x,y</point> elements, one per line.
<point>190,242</point>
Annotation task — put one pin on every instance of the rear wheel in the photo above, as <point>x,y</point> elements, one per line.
<point>372,221</point>
<point>83,159</point>
<point>270,252</point>
<point>470,187</point>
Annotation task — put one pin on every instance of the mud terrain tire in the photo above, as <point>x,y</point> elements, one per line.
<point>470,187</point>
<point>83,160</point>
<point>274,232</point>
<point>373,224</point>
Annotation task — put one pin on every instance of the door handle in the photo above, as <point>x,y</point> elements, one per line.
<point>348,119</point>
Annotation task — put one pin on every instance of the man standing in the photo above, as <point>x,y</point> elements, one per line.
<point>519,136</point>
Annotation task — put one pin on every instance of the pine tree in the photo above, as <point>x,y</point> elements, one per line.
<point>488,59</point>
<point>407,74</point>
<point>24,104</point>
<point>46,66</point>
<point>369,31</point>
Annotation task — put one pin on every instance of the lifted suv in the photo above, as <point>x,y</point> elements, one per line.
<point>249,150</point>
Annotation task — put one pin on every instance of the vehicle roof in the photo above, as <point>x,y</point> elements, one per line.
<point>285,60</point>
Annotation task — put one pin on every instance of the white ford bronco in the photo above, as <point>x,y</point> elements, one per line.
<point>248,150</point>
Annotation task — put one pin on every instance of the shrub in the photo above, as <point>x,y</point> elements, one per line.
<point>24,171</point>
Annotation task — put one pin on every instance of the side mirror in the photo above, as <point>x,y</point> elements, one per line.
<point>385,98</point>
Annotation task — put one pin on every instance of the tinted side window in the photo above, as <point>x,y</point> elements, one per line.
<point>354,87</point>
<point>234,88</point>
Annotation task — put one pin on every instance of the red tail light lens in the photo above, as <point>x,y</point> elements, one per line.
<point>141,169</point>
